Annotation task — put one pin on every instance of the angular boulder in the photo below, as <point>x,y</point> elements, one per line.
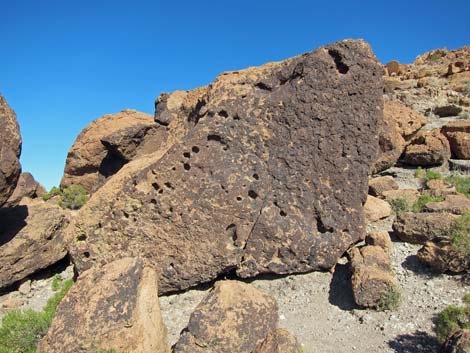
<point>379,185</point>
<point>279,341</point>
<point>31,239</point>
<point>418,228</point>
<point>443,257</point>
<point>269,174</point>
<point>234,317</point>
<point>26,186</point>
<point>410,195</point>
<point>456,204</point>
<point>376,209</point>
<point>89,162</point>
<point>439,188</point>
<point>114,307</point>
<point>458,134</point>
<point>427,149</point>
<point>399,126</point>
<point>10,150</point>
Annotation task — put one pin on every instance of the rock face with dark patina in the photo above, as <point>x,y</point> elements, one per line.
<point>111,308</point>
<point>10,150</point>
<point>267,174</point>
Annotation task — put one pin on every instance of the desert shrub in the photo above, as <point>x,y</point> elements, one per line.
<point>453,318</point>
<point>53,192</point>
<point>460,234</point>
<point>399,205</point>
<point>391,299</point>
<point>420,173</point>
<point>73,197</point>
<point>423,200</point>
<point>462,184</point>
<point>427,174</point>
<point>21,330</point>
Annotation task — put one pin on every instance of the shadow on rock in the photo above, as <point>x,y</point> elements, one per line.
<point>417,342</point>
<point>341,294</point>
<point>12,220</point>
<point>413,264</point>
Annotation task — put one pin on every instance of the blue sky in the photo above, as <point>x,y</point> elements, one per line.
<point>65,63</point>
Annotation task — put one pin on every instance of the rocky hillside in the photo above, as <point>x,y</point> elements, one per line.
<point>317,204</point>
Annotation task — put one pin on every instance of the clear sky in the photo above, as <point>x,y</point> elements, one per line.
<point>64,63</point>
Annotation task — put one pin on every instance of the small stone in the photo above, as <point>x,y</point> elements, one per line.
<point>25,287</point>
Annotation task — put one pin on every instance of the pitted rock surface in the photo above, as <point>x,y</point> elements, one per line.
<point>234,317</point>
<point>31,239</point>
<point>267,175</point>
<point>26,186</point>
<point>114,307</point>
<point>89,162</point>
<point>10,150</point>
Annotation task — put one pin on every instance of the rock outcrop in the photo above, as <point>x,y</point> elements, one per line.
<point>270,178</point>
<point>26,186</point>
<point>234,317</point>
<point>10,150</point>
<point>103,147</point>
<point>31,239</point>
<point>114,307</point>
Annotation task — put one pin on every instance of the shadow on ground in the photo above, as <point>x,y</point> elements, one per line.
<point>413,264</point>
<point>417,342</point>
<point>341,294</point>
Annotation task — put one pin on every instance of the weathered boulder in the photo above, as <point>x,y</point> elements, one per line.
<point>376,209</point>
<point>10,150</point>
<point>458,134</point>
<point>427,149</point>
<point>234,317</point>
<point>443,257</point>
<point>260,184</point>
<point>456,204</point>
<point>410,195</point>
<point>457,342</point>
<point>378,185</point>
<point>439,188</point>
<point>26,186</point>
<point>89,162</point>
<point>31,239</point>
<point>114,307</point>
<point>417,228</point>
<point>279,341</point>
<point>399,126</point>
<point>381,239</point>
<point>372,278</point>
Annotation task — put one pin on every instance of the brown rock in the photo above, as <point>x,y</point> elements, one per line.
<point>371,277</point>
<point>381,239</point>
<point>458,134</point>
<point>279,341</point>
<point>399,125</point>
<point>439,188</point>
<point>26,187</point>
<point>457,342</point>
<point>376,209</point>
<point>234,317</point>
<point>89,162</point>
<point>456,204</point>
<point>31,239</point>
<point>410,195</point>
<point>443,257</point>
<point>111,307</point>
<point>231,194</point>
<point>427,149</point>
<point>378,185</point>
<point>395,68</point>
<point>10,150</point>
<point>417,228</point>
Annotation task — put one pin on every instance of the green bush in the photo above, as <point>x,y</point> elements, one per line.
<point>423,200</point>
<point>399,205</point>
<point>21,330</point>
<point>427,174</point>
<point>461,234</point>
<point>453,318</point>
<point>391,299</point>
<point>73,197</point>
<point>53,192</point>
<point>462,184</point>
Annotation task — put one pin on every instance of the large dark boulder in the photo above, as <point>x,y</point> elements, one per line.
<point>10,150</point>
<point>265,172</point>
